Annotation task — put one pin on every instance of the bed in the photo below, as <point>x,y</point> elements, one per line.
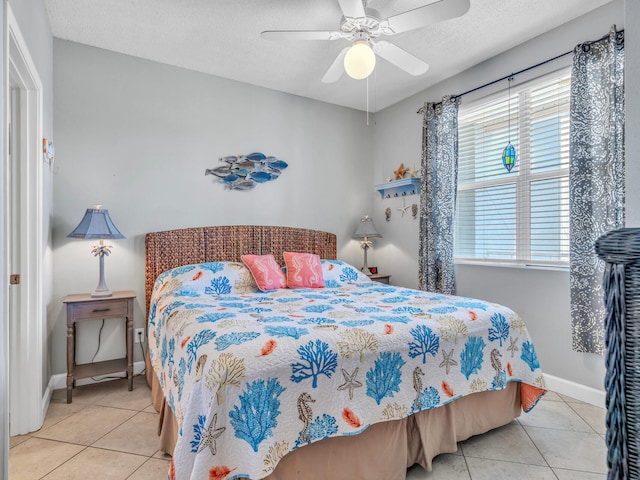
<point>353,380</point>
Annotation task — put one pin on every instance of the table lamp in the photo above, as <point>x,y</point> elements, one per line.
<point>97,225</point>
<point>365,231</point>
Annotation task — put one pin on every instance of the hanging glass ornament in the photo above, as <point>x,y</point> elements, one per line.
<point>509,157</point>
<point>509,152</point>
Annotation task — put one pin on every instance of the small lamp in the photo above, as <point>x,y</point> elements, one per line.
<point>97,225</point>
<point>365,231</point>
<point>360,60</point>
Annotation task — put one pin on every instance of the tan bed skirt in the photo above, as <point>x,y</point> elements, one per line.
<point>385,450</point>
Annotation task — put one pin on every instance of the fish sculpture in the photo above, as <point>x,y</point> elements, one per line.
<point>260,177</point>
<point>219,171</point>
<point>244,185</point>
<point>244,172</point>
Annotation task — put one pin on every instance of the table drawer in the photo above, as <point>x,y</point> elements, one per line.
<point>103,309</point>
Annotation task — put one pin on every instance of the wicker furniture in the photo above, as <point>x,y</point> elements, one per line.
<point>620,249</point>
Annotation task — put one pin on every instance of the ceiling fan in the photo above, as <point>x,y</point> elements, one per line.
<point>362,26</point>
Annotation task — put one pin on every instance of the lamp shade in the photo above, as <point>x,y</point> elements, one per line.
<point>96,224</point>
<point>360,60</point>
<point>366,229</point>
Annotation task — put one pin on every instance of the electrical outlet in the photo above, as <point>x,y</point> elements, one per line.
<point>138,335</point>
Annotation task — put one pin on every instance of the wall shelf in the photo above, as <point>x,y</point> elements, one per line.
<point>399,188</point>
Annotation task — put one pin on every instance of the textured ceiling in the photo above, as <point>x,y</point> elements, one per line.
<point>222,37</point>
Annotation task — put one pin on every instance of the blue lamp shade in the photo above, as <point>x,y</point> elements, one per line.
<point>366,229</point>
<point>96,225</point>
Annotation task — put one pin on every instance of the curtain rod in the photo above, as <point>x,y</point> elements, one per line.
<point>506,77</point>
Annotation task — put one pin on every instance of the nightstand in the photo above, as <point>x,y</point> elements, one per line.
<point>380,277</point>
<point>82,307</point>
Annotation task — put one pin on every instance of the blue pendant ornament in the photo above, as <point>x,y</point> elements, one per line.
<point>509,152</point>
<point>509,157</point>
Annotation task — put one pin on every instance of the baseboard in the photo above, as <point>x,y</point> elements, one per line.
<point>60,380</point>
<point>46,399</point>
<point>575,390</point>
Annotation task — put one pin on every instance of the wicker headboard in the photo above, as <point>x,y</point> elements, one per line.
<point>172,248</point>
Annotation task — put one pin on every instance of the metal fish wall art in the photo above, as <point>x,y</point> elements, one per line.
<point>244,172</point>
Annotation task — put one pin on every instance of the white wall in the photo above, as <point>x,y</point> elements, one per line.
<point>136,136</point>
<point>541,297</point>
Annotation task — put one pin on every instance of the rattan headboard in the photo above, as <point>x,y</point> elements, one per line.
<point>172,248</point>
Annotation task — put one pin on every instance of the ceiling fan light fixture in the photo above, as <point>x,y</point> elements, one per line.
<point>359,60</point>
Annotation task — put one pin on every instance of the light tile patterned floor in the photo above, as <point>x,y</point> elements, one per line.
<point>110,433</point>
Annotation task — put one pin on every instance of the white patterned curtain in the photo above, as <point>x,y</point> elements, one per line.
<point>438,195</point>
<point>596,178</point>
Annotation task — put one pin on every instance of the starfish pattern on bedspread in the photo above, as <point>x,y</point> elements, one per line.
<point>210,435</point>
<point>447,361</point>
<point>350,382</point>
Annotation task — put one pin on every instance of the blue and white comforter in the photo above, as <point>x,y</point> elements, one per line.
<point>252,376</point>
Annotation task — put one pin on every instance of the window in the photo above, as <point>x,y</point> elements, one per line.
<point>520,216</point>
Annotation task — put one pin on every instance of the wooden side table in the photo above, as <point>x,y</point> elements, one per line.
<point>380,277</point>
<point>82,307</point>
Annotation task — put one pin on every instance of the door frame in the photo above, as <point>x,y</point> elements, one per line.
<point>4,279</point>
<point>26,401</point>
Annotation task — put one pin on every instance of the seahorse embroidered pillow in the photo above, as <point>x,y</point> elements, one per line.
<point>304,270</point>
<point>266,271</point>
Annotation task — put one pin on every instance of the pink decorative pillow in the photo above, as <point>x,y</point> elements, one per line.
<point>304,270</point>
<point>266,271</point>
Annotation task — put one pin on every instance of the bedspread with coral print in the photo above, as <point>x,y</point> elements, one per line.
<point>252,376</point>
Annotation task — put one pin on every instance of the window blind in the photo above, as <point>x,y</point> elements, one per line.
<point>520,216</point>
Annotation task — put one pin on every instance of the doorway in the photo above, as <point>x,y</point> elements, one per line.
<point>24,238</point>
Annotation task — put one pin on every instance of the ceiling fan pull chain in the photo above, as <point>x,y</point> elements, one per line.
<point>367,101</point>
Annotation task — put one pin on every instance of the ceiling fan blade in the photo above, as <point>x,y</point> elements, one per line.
<point>426,15</point>
<point>400,58</point>
<point>289,35</point>
<point>352,8</point>
<point>336,68</point>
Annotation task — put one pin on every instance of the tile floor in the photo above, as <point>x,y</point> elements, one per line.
<point>110,433</point>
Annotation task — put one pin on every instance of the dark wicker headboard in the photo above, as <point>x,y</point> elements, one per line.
<point>172,248</point>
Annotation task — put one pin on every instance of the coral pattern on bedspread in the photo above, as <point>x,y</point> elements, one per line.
<point>254,375</point>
